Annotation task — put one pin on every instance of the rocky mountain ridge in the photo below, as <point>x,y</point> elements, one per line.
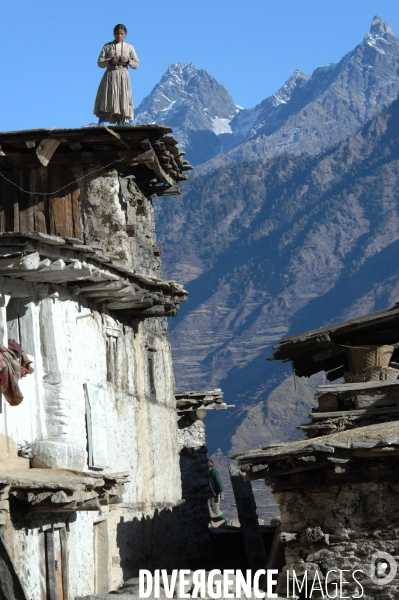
<point>198,108</point>
<point>291,228</point>
<point>307,114</point>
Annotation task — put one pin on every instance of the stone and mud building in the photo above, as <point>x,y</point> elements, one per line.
<point>90,482</point>
<point>338,490</point>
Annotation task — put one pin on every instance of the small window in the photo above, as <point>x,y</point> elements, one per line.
<point>112,350</point>
<point>151,372</point>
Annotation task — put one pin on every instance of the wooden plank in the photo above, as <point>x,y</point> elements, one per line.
<point>50,558</point>
<point>26,219</point>
<point>133,304</point>
<point>374,452</point>
<point>246,509</point>
<point>276,559</point>
<point>18,238</point>
<point>114,291</point>
<point>42,566</point>
<point>63,276</point>
<point>117,136</point>
<point>40,210</point>
<point>95,157</point>
<point>10,585</point>
<point>58,565</point>
<point>62,204</point>
<point>343,327</point>
<point>356,387</point>
<point>319,425</point>
<point>353,413</point>
<point>6,201</point>
<point>378,398</point>
<point>3,204</point>
<point>100,288</point>
<point>56,203</point>
<point>15,199</point>
<point>46,149</point>
<point>64,559</point>
<point>77,226</point>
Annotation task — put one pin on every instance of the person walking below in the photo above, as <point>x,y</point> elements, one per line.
<point>114,101</point>
<point>215,494</point>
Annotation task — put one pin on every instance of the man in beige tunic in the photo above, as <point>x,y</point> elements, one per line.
<point>114,96</point>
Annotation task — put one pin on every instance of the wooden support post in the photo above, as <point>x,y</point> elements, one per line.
<point>246,509</point>
<point>10,584</point>
<point>276,558</point>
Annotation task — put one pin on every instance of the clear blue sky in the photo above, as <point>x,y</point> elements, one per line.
<point>50,47</point>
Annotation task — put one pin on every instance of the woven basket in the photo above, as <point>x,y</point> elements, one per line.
<point>372,374</point>
<point>367,357</point>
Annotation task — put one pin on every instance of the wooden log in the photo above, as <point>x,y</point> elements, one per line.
<point>328,402</point>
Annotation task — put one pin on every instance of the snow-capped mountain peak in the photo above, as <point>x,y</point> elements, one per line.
<point>193,101</point>
<point>379,27</point>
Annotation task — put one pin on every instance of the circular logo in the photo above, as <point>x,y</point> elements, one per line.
<point>383,568</point>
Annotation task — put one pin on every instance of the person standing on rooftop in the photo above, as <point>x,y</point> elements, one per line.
<point>114,101</point>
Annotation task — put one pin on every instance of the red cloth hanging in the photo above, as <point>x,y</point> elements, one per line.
<point>10,373</point>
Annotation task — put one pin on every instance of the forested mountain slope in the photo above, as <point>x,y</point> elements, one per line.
<point>279,247</point>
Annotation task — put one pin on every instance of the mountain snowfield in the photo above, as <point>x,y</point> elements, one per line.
<point>291,221</point>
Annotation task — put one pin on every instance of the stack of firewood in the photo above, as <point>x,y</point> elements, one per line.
<point>349,405</point>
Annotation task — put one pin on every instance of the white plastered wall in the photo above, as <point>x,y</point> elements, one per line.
<point>68,351</point>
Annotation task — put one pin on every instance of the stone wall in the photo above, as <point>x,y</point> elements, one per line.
<point>120,220</point>
<point>341,528</point>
